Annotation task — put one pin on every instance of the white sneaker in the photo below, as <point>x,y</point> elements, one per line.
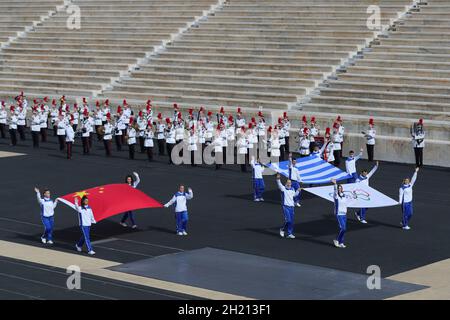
<point>342,245</point>
<point>184,233</point>
<point>43,240</point>
<point>363,221</point>
<point>261,199</point>
<point>49,242</point>
<point>91,253</point>
<point>406,228</point>
<point>134,226</point>
<point>357,217</point>
<point>256,200</point>
<point>291,236</point>
<point>123,224</point>
<point>282,233</point>
<point>78,248</point>
<point>298,204</point>
<point>336,244</point>
<point>180,233</point>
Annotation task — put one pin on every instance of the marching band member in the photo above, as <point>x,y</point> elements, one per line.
<point>106,132</point>
<point>281,138</point>
<point>148,140</point>
<point>294,177</point>
<point>340,210</point>
<point>337,142</point>
<point>258,181</point>
<point>313,133</point>
<point>54,117</point>
<point>70,137</point>
<point>242,147</point>
<point>175,113</point>
<point>43,122</point>
<point>120,128</point>
<point>192,146</point>
<point>127,112</point>
<point>61,130</point>
<point>179,128</point>
<point>3,119</point>
<point>21,121</point>
<point>35,127</point>
<point>160,130</point>
<point>406,199</point>
<point>261,127</point>
<point>364,178</point>
<point>252,140</point>
<point>98,120</point>
<point>418,141</point>
<point>218,142</point>
<point>350,165</point>
<point>209,129</point>
<point>240,121</point>
<point>170,139</point>
<point>274,143</point>
<point>370,139</point>
<point>86,129</point>
<point>304,143</point>
<point>12,126</point>
<point>201,133</point>
<point>105,110</point>
<point>47,214</point>
<point>288,207</point>
<point>76,116</point>
<point>327,150</point>
<point>181,214</point>
<point>86,219</point>
<point>85,105</point>
<point>287,129</point>
<point>132,182</point>
<point>141,122</point>
<point>131,134</point>
<point>191,121</point>
<point>341,131</point>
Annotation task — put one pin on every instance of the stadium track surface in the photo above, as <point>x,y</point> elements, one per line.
<point>222,216</point>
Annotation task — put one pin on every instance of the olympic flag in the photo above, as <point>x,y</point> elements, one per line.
<point>360,195</point>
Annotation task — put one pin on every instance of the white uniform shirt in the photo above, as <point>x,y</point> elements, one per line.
<point>258,170</point>
<point>406,191</point>
<point>350,163</point>
<point>180,200</point>
<point>47,206</point>
<point>365,180</point>
<point>370,136</point>
<point>288,194</point>
<point>85,216</point>
<point>70,134</point>
<point>3,116</point>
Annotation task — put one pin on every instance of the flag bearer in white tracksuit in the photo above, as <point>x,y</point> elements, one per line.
<point>47,212</point>
<point>288,193</point>
<point>258,181</point>
<point>181,214</point>
<point>86,219</point>
<point>132,182</point>
<point>340,210</point>
<point>294,177</point>
<point>350,165</point>
<point>406,198</point>
<point>364,178</point>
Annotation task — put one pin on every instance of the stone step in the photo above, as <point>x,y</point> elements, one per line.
<point>427,73</point>
<point>373,86</point>
<point>141,84</point>
<point>159,99</point>
<point>69,58</point>
<point>81,53</point>
<point>413,57</point>
<point>399,96</point>
<point>415,42</point>
<point>381,103</point>
<point>134,50</point>
<point>259,52</point>
<point>301,6</point>
<point>376,112</point>
<point>403,64</point>
<point>44,91</point>
<point>219,78</point>
<point>246,65</point>
<point>193,36</point>
<point>180,91</point>
<point>89,71</point>
<point>19,83</point>
<point>131,12</point>
<point>412,49</point>
<point>100,37</point>
<point>423,35</point>
<point>211,30</point>
<point>310,14</point>
<point>267,45</point>
<point>29,75</point>
<point>393,79</point>
<point>111,22</point>
<point>62,64</point>
<point>422,28</point>
<point>122,41</point>
<point>108,30</point>
<point>206,57</point>
<point>295,25</point>
<point>315,75</point>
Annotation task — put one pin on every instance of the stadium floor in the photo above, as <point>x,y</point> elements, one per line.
<point>222,216</point>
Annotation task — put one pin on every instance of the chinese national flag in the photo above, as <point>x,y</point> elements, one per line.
<point>112,199</point>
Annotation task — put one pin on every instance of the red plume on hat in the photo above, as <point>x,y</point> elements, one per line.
<point>140,113</point>
<point>305,130</point>
<point>230,118</point>
<point>191,111</point>
<point>131,120</point>
<point>167,120</point>
<point>54,102</point>
<point>71,117</point>
<point>175,106</point>
<point>221,110</point>
<point>253,120</point>
<point>339,119</point>
<point>148,107</point>
<point>119,109</point>
<point>42,108</point>
<point>260,114</point>
<point>45,99</point>
<point>285,114</point>
<point>335,125</point>
<point>371,121</point>
<point>149,101</point>
<point>75,105</point>
<point>327,131</point>
<point>239,110</point>
<point>270,129</point>
<point>107,101</point>
<point>280,120</point>
<point>159,116</point>
<point>11,108</point>
<point>179,115</point>
<point>313,119</point>
<point>209,113</point>
<point>85,112</point>
<point>97,103</point>
<point>149,123</point>
<point>84,100</point>
<point>108,116</point>
<point>67,109</point>
<point>35,101</point>
<point>250,125</point>
<point>304,119</point>
<point>421,121</point>
<point>125,102</point>
<point>202,109</point>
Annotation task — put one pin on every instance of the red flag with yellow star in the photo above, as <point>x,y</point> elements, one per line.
<point>112,199</point>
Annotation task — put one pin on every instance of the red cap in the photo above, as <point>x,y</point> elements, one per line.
<point>371,121</point>
<point>175,106</point>
<point>230,118</point>
<point>202,109</point>
<point>285,114</point>
<point>179,115</point>
<point>148,107</point>
<point>339,119</point>
<point>108,116</point>
<point>149,102</point>
<point>140,113</point>
<point>125,102</point>
<point>239,110</point>
<point>159,116</point>
<point>270,129</point>
<point>71,117</point>
<point>280,120</point>
<point>75,105</point>
<point>221,110</point>
<point>107,101</point>
<point>313,119</point>
<point>420,121</point>
<point>250,125</point>
<point>54,102</point>
<point>327,131</point>
<point>85,112</point>
<point>209,113</point>
<point>304,119</point>
<point>84,100</point>
<point>131,120</point>
<point>97,103</point>
<point>335,125</point>
<point>168,120</point>
<point>35,101</point>
<point>11,108</point>
<point>119,109</point>
<point>253,120</point>
<point>191,111</point>
<point>305,130</point>
<point>260,114</point>
<point>149,123</point>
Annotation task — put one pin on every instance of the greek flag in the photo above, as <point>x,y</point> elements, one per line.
<point>313,170</point>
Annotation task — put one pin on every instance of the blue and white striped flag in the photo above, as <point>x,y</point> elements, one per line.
<point>313,170</point>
